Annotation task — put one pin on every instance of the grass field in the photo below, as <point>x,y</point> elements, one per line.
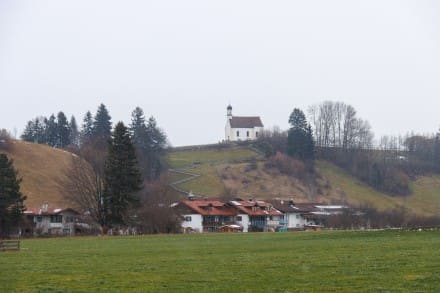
<point>381,261</point>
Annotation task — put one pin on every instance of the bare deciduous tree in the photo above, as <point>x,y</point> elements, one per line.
<point>84,185</point>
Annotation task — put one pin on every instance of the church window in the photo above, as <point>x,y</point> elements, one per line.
<point>238,133</point>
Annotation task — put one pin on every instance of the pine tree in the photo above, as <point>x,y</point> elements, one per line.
<point>63,131</point>
<point>102,125</point>
<point>87,128</point>
<point>156,148</point>
<point>51,130</point>
<point>122,178</point>
<point>300,142</point>
<point>11,199</point>
<point>74,133</point>
<point>138,128</point>
<point>28,132</point>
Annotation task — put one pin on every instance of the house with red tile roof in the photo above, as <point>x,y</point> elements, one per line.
<point>205,215</point>
<point>257,216</point>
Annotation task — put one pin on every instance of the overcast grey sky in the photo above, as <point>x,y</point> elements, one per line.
<point>183,61</point>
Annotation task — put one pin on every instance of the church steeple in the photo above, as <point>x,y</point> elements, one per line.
<point>229,111</point>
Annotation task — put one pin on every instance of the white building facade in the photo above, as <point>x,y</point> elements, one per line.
<point>242,128</point>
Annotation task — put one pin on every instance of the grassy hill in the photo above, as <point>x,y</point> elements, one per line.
<point>42,169</point>
<point>229,172</point>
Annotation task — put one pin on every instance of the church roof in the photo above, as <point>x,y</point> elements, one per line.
<point>246,122</point>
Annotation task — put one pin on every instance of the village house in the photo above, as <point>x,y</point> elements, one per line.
<point>305,215</point>
<point>49,221</point>
<point>242,128</point>
<point>256,216</point>
<point>206,216</point>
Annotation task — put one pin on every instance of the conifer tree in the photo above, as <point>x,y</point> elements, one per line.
<point>51,130</point>
<point>28,132</point>
<point>102,125</point>
<point>300,142</point>
<point>63,131</point>
<point>87,128</point>
<point>122,178</point>
<point>74,133</point>
<point>11,199</point>
<point>157,145</point>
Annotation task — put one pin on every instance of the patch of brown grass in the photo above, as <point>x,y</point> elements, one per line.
<point>42,169</point>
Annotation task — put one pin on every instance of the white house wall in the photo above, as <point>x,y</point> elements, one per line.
<point>195,223</point>
<point>295,220</point>
<point>244,222</point>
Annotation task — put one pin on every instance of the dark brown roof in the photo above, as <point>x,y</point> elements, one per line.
<point>246,122</point>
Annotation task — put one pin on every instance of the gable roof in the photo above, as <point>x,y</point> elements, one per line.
<point>48,211</point>
<point>245,122</point>
<point>209,207</point>
<point>255,208</point>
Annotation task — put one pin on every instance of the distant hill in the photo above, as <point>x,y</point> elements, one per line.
<point>226,171</point>
<point>229,171</point>
<point>41,168</point>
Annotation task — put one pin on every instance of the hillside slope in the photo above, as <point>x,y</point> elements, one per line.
<point>229,172</point>
<point>42,169</point>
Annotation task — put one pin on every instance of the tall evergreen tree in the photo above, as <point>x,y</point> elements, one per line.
<point>141,140</point>
<point>28,132</point>
<point>51,131</point>
<point>11,199</point>
<point>122,178</point>
<point>300,142</point>
<point>157,145</point>
<point>102,125</point>
<point>138,128</point>
<point>63,131</point>
<point>74,133</point>
<point>87,128</point>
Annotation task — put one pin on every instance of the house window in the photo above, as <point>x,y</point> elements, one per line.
<point>39,219</point>
<point>238,133</point>
<point>56,218</point>
<point>188,219</point>
<point>256,134</point>
<point>297,216</point>
<point>247,133</point>
<point>238,218</point>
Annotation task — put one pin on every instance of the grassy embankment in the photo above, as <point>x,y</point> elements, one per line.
<point>42,169</point>
<point>253,262</point>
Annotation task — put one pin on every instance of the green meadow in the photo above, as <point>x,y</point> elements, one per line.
<point>381,261</point>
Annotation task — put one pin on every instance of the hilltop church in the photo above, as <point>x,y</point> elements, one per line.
<point>242,128</point>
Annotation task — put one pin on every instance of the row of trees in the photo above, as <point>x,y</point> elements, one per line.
<point>341,137</point>
<point>54,131</point>
<point>149,140</point>
<point>336,124</point>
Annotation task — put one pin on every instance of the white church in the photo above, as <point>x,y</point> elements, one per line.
<point>242,128</point>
